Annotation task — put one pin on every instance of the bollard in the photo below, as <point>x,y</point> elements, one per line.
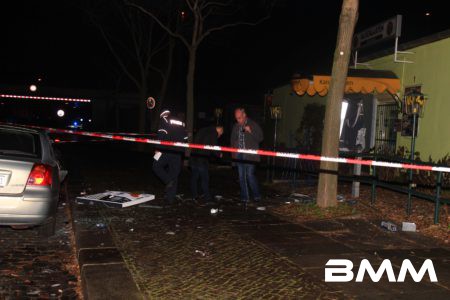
<point>437,198</point>
<point>374,186</point>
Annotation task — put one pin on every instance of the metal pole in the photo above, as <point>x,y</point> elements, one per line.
<point>437,198</point>
<point>356,184</point>
<point>410,179</point>
<point>374,186</point>
<point>274,147</point>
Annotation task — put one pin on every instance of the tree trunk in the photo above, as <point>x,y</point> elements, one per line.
<point>327,188</point>
<point>165,84</point>
<point>142,106</point>
<point>190,92</point>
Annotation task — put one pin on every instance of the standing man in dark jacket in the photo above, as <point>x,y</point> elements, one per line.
<point>199,160</point>
<point>246,134</point>
<point>167,160</point>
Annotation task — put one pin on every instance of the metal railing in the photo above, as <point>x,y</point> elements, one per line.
<point>292,171</point>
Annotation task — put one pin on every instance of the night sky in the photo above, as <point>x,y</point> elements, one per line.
<point>56,41</point>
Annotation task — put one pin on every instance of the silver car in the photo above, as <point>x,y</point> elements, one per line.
<point>30,179</point>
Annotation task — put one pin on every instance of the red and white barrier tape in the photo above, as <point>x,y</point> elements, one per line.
<point>130,133</point>
<point>44,98</point>
<point>250,151</point>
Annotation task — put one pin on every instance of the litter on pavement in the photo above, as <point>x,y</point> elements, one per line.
<point>340,198</point>
<point>301,198</point>
<point>409,226</point>
<point>202,253</point>
<point>215,211</point>
<point>261,208</point>
<point>116,198</point>
<point>351,202</point>
<point>389,226</point>
<point>151,206</point>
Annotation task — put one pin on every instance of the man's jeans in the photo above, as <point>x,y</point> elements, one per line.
<point>247,179</point>
<point>200,171</point>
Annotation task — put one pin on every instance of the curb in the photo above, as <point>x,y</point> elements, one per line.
<point>103,272</point>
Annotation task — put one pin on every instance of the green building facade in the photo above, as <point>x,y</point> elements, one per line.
<point>429,70</point>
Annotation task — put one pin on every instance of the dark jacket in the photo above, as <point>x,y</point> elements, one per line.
<point>252,140</point>
<point>172,130</point>
<point>205,136</point>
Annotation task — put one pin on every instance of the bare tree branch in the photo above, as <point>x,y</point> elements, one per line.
<point>160,23</point>
<point>115,54</point>
<point>210,4</point>
<point>230,25</point>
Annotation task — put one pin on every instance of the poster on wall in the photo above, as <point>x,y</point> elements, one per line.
<point>357,123</point>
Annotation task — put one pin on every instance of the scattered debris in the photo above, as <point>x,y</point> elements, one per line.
<point>151,206</point>
<point>131,229</point>
<point>340,198</point>
<point>34,293</point>
<point>408,226</point>
<point>129,220</point>
<point>170,233</point>
<point>301,198</point>
<point>389,226</point>
<point>261,208</point>
<point>100,225</point>
<point>287,202</point>
<point>202,253</point>
<point>214,211</point>
<point>116,198</point>
<point>351,202</point>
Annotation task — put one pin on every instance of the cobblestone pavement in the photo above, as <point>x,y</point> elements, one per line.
<point>183,254</point>
<point>32,267</point>
<point>186,253</point>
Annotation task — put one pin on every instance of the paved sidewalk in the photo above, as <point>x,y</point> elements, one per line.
<point>32,267</point>
<point>186,252</point>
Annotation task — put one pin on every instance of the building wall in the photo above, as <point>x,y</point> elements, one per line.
<point>292,112</point>
<point>431,69</point>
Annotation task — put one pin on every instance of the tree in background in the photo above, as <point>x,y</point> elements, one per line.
<point>201,18</point>
<point>143,52</point>
<point>327,188</point>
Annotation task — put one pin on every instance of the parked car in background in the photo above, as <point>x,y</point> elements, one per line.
<point>30,179</point>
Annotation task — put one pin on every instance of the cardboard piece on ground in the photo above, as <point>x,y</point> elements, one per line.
<point>116,198</point>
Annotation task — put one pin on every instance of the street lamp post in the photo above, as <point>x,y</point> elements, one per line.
<point>218,114</point>
<point>412,105</point>
<point>275,114</point>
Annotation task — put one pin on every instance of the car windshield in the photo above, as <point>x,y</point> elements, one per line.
<point>19,143</point>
